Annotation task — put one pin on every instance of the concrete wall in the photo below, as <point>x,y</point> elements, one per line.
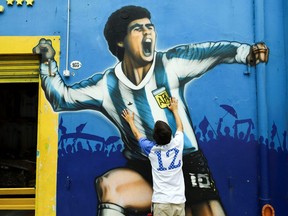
<point>246,176</point>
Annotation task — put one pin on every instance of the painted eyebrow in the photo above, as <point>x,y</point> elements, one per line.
<point>137,25</point>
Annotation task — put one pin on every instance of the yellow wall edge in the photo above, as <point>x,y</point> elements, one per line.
<point>47,147</point>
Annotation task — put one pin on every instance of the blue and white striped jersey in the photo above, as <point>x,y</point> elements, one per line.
<point>111,92</point>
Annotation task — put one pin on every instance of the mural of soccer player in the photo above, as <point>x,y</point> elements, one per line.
<point>142,82</point>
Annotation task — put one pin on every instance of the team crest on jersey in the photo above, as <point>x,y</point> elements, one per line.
<point>161,97</point>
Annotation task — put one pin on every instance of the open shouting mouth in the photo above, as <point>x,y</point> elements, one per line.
<point>147,46</point>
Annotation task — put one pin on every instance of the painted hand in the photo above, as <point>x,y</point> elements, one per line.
<point>259,53</point>
<point>44,47</point>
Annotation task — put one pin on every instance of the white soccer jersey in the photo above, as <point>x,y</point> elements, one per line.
<point>166,162</point>
<point>111,92</point>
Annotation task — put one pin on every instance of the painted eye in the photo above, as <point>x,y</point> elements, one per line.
<point>151,27</point>
<point>138,29</point>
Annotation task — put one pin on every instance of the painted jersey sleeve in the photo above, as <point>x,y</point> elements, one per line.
<point>83,95</point>
<point>193,60</point>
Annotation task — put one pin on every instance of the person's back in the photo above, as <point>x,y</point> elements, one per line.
<point>166,161</point>
<point>165,154</point>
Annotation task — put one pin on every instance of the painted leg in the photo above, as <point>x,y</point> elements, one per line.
<point>105,209</point>
<point>207,208</point>
<point>125,188</point>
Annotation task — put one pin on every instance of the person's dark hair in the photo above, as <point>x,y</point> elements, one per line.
<point>116,26</point>
<point>162,133</point>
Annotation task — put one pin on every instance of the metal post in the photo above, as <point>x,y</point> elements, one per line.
<point>262,124</point>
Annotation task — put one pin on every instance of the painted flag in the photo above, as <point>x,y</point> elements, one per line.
<point>204,125</point>
<point>61,127</point>
<point>80,128</point>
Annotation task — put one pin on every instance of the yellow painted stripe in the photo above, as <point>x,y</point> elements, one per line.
<point>46,168</point>
<point>16,191</point>
<point>19,68</point>
<point>17,203</point>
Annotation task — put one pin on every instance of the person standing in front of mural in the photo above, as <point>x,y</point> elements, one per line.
<point>143,81</point>
<point>168,183</point>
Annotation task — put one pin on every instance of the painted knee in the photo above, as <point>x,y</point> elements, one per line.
<point>110,209</point>
<point>99,188</point>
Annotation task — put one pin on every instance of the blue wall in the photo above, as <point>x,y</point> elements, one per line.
<point>236,168</point>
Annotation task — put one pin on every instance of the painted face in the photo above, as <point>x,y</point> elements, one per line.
<point>139,42</point>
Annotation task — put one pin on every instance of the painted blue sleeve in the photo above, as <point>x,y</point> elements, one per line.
<point>87,94</point>
<point>193,60</point>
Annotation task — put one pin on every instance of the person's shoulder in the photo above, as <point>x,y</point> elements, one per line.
<point>144,141</point>
<point>179,132</point>
<point>179,136</point>
<point>99,75</point>
<point>109,71</point>
<point>146,144</point>
<point>143,138</point>
<point>177,51</point>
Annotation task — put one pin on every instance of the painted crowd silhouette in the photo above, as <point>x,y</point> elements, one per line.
<point>232,153</point>
<point>72,143</point>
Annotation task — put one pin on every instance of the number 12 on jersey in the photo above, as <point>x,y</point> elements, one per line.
<point>169,157</point>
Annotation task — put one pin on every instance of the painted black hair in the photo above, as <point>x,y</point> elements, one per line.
<point>116,26</point>
<point>162,133</point>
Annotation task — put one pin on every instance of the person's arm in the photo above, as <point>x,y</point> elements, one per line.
<point>194,60</point>
<point>81,95</point>
<point>129,117</point>
<point>219,133</point>
<point>173,107</point>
